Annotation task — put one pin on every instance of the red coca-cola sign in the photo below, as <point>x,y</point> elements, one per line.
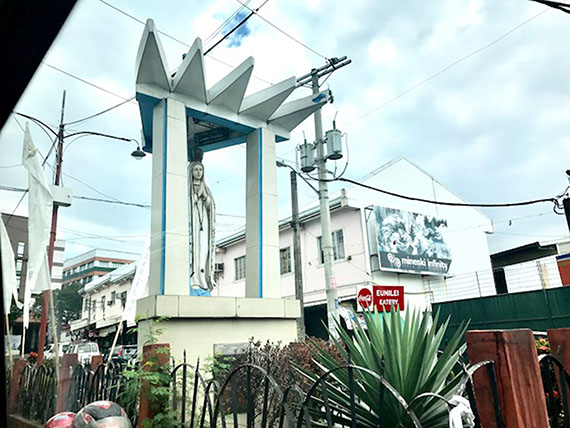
<point>382,297</point>
<point>364,298</point>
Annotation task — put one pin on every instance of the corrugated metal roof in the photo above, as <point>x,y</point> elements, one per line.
<point>304,216</point>
<point>124,272</point>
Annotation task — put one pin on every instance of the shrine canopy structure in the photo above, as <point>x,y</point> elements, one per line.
<point>181,119</point>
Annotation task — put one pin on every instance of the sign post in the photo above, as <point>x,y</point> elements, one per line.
<point>380,297</point>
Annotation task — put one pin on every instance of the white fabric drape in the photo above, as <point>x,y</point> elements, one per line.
<point>139,286</point>
<point>40,205</point>
<point>9,280</point>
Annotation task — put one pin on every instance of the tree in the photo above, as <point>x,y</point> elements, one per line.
<point>68,303</point>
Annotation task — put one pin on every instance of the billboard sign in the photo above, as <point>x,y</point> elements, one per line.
<point>380,297</point>
<point>411,242</point>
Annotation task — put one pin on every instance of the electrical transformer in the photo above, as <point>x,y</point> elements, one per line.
<point>334,144</point>
<point>307,156</point>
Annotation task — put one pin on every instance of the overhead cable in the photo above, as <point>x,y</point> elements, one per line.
<point>229,33</point>
<point>85,81</point>
<point>446,203</point>
<point>283,31</point>
<point>100,113</point>
<point>223,24</point>
<point>447,67</point>
<point>108,201</point>
<point>178,40</point>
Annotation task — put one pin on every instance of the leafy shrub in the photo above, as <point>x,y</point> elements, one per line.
<point>280,362</point>
<point>409,355</point>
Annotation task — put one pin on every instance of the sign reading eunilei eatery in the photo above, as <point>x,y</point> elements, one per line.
<point>380,297</point>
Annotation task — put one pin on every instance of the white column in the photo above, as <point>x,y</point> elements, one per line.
<point>169,257</point>
<point>261,233</point>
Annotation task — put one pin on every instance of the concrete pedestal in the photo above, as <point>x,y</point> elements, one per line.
<point>197,324</point>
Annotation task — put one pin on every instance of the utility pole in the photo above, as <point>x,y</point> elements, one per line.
<point>297,255</point>
<point>47,298</point>
<point>312,78</point>
<point>326,239</point>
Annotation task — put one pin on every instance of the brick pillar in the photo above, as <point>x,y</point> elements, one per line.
<point>159,355</point>
<point>17,370</point>
<point>68,363</point>
<point>519,383</point>
<point>559,339</point>
<point>96,361</point>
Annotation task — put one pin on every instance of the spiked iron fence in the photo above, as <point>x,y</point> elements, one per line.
<point>249,396</point>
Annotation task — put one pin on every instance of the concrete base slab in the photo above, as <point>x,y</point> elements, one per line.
<point>198,325</point>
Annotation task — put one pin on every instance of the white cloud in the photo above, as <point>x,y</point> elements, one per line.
<point>382,51</point>
<point>482,127</point>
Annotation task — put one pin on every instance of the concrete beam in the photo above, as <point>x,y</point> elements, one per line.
<point>290,115</point>
<point>229,91</point>
<point>190,78</point>
<point>264,103</point>
<point>151,65</point>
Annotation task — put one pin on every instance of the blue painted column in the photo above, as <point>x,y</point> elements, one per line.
<point>261,233</point>
<point>169,258</point>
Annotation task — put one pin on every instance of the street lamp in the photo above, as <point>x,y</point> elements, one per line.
<point>138,154</point>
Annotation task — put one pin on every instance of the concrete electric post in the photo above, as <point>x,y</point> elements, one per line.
<point>297,255</point>
<point>312,78</point>
<point>295,225</point>
<point>326,239</point>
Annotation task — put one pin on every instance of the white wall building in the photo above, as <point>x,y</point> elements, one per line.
<point>356,236</point>
<point>103,304</point>
<point>91,265</point>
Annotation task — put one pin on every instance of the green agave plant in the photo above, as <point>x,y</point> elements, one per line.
<point>409,355</point>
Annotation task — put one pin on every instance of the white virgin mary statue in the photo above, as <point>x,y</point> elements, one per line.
<point>202,222</point>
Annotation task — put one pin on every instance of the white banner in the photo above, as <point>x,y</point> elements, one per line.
<point>9,280</point>
<point>139,286</point>
<point>40,205</point>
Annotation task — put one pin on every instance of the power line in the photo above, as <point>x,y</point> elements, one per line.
<point>283,31</point>
<point>223,24</point>
<point>564,7</point>
<point>178,40</point>
<point>100,113</point>
<point>229,33</point>
<point>446,68</point>
<point>91,187</point>
<point>451,204</point>
<point>19,124</point>
<point>108,201</point>
<point>85,81</point>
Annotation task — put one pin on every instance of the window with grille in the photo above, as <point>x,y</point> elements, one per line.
<point>239,268</point>
<point>285,260</point>
<point>337,243</point>
<point>21,248</point>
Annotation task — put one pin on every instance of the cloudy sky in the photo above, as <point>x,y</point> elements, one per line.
<point>475,92</point>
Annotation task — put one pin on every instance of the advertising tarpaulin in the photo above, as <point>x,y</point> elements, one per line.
<point>380,297</point>
<point>411,242</point>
